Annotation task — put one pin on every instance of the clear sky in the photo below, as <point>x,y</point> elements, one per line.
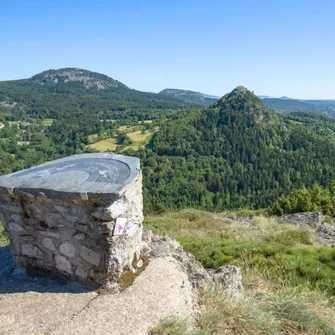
<point>272,47</point>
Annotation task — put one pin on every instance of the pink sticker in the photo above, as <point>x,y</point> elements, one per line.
<point>119,226</point>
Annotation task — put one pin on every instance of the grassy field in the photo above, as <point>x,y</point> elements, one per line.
<point>93,137</point>
<point>138,137</point>
<point>47,122</point>
<point>108,144</point>
<point>127,129</point>
<point>288,277</point>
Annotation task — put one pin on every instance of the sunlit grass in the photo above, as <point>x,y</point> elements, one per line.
<point>277,251</point>
<point>138,137</point>
<point>108,144</point>
<point>288,279</point>
<point>47,122</point>
<point>3,239</point>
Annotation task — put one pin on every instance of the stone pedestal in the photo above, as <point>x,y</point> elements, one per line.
<point>78,217</point>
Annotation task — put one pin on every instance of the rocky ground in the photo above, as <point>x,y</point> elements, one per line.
<point>37,306</point>
<point>167,287</point>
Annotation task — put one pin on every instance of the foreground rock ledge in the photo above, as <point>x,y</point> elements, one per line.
<point>78,217</point>
<point>162,290</point>
<point>168,286</point>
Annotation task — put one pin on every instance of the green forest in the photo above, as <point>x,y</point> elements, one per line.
<point>234,154</point>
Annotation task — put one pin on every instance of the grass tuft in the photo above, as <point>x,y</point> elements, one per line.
<point>270,312</point>
<point>170,326</point>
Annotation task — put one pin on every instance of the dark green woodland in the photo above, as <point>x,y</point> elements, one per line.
<point>236,153</point>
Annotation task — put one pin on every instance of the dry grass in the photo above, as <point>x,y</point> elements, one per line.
<point>108,144</point>
<point>92,137</point>
<point>285,276</point>
<point>127,129</point>
<point>170,326</point>
<point>139,138</point>
<point>262,311</point>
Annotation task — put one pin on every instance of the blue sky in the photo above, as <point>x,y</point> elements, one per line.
<point>272,47</point>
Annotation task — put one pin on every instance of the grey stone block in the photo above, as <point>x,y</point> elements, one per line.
<point>61,216</point>
<point>31,251</point>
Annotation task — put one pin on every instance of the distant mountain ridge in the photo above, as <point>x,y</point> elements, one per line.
<point>282,105</point>
<point>70,91</point>
<point>67,75</point>
<point>291,105</point>
<point>209,96</point>
<point>189,96</point>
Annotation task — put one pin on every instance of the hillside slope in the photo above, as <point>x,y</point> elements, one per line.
<point>236,153</point>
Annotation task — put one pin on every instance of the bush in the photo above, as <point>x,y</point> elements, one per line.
<point>315,199</point>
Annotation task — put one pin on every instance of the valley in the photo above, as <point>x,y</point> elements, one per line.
<point>191,156</point>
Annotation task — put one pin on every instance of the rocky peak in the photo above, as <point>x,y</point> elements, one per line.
<point>239,90</point>
<point>67,75</point>
<point>243,102</point>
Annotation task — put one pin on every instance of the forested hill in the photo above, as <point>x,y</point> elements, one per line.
<point>236,153</point>
<point>71,92</point>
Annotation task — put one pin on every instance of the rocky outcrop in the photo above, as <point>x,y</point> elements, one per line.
<point>42,306</point>
<point>327,235</point>
<point>306,219</point>
<point>167,286</point>
<point>73,75</point>
<point>158,247</point>
<point>229,277</point>
<point>313,220</point>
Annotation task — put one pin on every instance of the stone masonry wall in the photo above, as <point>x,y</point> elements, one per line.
<point>91,242</point>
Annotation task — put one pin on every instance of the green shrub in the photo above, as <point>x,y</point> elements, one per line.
<point>317,198</point>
